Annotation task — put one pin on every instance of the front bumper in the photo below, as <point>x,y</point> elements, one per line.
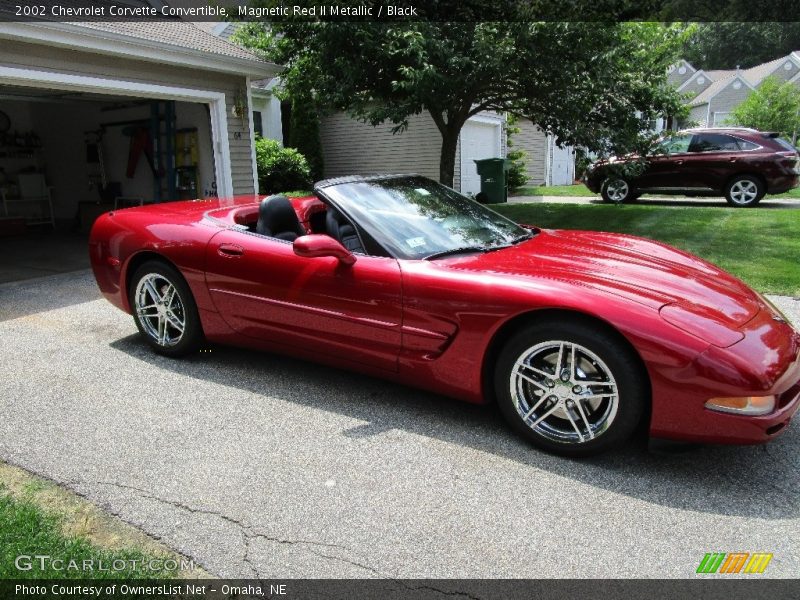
<point>765,362</point>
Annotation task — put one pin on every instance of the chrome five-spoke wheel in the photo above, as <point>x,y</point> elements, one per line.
<point>744,191</point>
<point>164,309</point>
<point>160,310</point>
<point>572,387</point>
<point>564,392</point>
<point>616,190</point>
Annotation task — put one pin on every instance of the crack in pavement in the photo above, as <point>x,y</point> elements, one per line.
<point>443,592</point>
<point>248,532</point>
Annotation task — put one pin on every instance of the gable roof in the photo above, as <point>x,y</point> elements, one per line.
<point>715,88</point>
<point>755,75</point>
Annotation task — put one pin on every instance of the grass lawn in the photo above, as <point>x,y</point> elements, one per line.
<point>582,190</point>
<point>26,529</point>
<point>40,518</point>
<point>760,246</point>
<point>553,190</point>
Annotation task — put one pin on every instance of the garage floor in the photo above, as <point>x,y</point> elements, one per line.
<point>41,253</point>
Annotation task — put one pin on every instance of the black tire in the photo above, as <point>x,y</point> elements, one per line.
<point>616,190</point>
<point>616,418</point>
<point>182,308</point>
<point>744,191</point>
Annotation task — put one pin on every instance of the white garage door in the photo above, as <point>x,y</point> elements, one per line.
<point>562,165</point>
<point>479,139</point>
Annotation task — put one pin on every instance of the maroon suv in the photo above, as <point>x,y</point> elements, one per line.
<point>741,164</point>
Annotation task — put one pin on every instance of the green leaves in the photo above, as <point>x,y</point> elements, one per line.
<point>280,168</point>
<point>591,84</point>
<point>774,106</point>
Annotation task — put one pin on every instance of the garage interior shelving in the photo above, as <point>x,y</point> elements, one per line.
<point>66,156</point>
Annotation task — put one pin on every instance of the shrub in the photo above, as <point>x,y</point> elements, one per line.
<point>517,174</point>
<point>280,168</point>
<point>304,134</point>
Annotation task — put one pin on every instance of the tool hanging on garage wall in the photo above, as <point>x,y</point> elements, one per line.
<point>153,138</point>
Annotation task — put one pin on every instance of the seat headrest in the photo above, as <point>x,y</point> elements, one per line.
<point>276,216</point>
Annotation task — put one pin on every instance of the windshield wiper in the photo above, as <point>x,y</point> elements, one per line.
<point>457,251</point>
<point>513,242</point>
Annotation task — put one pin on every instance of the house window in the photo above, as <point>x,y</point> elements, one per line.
<point>258,124</point>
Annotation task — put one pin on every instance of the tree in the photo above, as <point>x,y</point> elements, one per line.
<point>726,45</point>
<point>774,106</point>
<point>583,82</point>
<point>304,133</point>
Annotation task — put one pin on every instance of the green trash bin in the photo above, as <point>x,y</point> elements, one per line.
<point>494,181</point>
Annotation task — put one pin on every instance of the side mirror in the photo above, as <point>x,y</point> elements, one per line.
<point>316,245</point>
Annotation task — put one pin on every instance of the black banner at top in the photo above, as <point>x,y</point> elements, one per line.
<point>400,10</point>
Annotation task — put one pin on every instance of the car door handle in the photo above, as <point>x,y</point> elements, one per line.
<point>732,159</point>
<point>678,162</point>
<point>230,250</point>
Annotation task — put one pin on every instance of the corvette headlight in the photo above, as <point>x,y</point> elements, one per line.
<point>745,405</point>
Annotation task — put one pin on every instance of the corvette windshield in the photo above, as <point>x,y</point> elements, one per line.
<point>414,218</point>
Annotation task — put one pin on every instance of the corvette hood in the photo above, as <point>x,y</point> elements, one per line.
<point>643,270</point>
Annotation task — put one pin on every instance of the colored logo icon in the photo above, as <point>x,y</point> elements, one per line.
<point>734,562</point>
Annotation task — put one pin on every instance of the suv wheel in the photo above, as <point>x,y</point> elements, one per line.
<point>616,190</point>
<point>744,191</point>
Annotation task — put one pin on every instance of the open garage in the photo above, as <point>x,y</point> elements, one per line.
<point>101,116</point>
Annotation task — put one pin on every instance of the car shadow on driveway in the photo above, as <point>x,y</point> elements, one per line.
<point>45,293</point>
<point>751,481</point>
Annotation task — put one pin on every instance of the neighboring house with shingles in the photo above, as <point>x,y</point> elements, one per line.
<point>712,95</point>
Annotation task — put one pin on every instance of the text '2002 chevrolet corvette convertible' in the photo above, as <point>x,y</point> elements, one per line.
<point>581,337</point>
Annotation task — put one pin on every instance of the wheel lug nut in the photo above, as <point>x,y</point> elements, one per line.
<point>564,375</point>
<point>577,389</point>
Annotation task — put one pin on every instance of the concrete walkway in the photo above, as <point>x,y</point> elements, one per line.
<point>652,200</point>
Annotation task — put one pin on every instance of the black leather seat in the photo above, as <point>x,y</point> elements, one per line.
<point>277,218</point>
<point>339,228</point>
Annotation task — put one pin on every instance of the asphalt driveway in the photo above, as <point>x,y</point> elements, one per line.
<point>255,464</point>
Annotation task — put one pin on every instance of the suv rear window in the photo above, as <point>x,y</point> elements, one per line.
<point>713,142</point>
<point>745,145</point>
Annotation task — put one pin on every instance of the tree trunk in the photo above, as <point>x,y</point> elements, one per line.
<point>447,160</point>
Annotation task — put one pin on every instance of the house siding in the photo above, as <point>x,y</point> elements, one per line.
<point>782,74</point>
<point>677,79</point>
<point>351,147</point>
<point>693,87</point>
<point>44,58</point>
<point>697,115</point>
<point>533,141</point>
<point>727,99</point>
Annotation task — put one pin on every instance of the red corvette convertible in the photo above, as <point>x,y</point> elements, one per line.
<point>581,337</point>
